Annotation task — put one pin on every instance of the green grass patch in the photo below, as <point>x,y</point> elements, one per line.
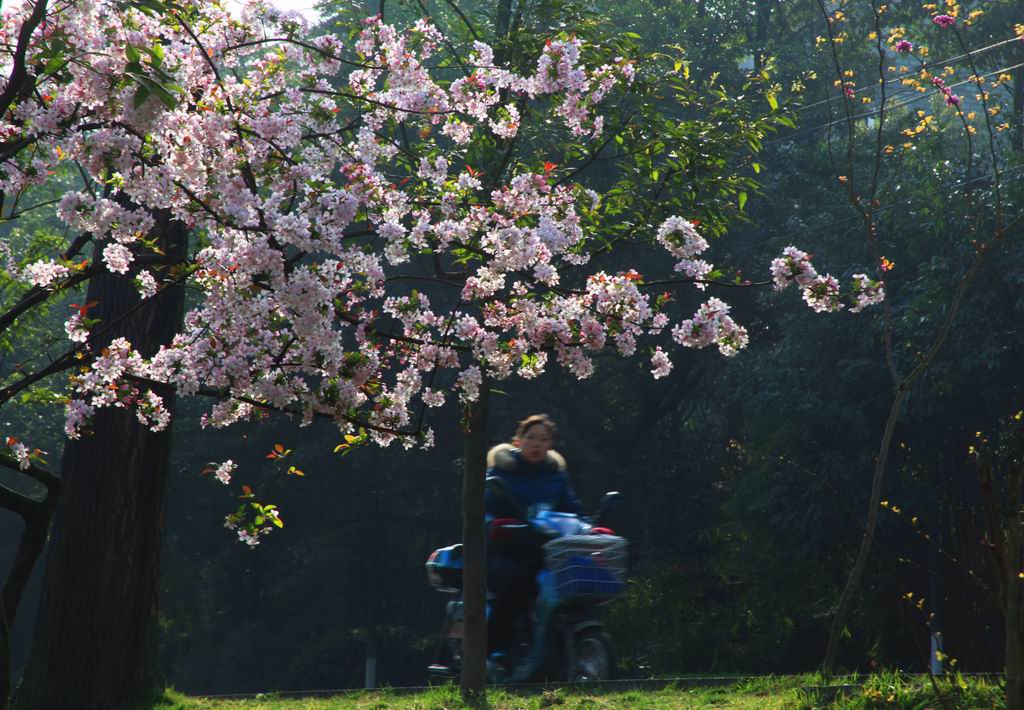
<point>893,691</point>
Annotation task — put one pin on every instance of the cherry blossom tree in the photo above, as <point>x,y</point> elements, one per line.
<point>380,226</point>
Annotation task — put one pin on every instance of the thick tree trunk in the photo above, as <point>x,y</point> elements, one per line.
<point>95,642</point>
<point>474,550</point>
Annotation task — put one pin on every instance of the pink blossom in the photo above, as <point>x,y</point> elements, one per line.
<point>679,236</point>
<point>822,294</point>
<point>222,472</point>
<point>75,328</point>
<point>118,257</point>
<point>944,20</point>
<point>44,273</point>
<point>904,46</point>
<point>793,266</point>
<point>21,454</point>
<point>866,292</point>
<point>662,366</point>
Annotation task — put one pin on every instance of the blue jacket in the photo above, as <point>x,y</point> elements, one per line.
<point>530,484</point>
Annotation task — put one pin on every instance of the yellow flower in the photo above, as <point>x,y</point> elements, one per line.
<point>865,99</point>
<point>971,115</point>
<point>872,35</point>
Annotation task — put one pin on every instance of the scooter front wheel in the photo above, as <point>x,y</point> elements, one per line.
<point>593,657</point>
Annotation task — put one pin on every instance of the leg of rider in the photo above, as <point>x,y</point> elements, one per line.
<point>501,582</point>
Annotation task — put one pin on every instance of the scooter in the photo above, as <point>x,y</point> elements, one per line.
<point>562,639</point>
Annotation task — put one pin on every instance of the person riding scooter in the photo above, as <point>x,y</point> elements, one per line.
<point>535,478</point>
<point>549,567</point>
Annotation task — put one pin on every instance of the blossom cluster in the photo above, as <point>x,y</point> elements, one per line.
<point>822,292</point>
<point>292,158</point>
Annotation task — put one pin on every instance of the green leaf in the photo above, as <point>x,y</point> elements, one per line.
<point>141,94</point>
<point>772,101</point>
<point>53,65</point>
<point>743,199</point>
<point>132,53</point>
<point>156,52</point>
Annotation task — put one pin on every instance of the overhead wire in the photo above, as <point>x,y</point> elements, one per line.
<point>853,218</point>
<point>876,112</point>
<point>924,66</point>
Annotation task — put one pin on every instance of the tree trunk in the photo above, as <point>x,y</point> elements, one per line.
<point>853,582</point>
<point>474,550</point>
<point>1017,134</point>
<point>36,515</point>
<point>95,641</point>
<point>1012,591</point>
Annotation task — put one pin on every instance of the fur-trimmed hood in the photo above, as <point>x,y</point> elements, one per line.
<point>502,457</point>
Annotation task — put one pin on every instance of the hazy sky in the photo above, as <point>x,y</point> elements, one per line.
<point>303,6</point>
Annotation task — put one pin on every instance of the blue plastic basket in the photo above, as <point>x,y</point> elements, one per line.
<point>587,568</point>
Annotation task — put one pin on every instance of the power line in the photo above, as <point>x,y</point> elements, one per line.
<point>853,218</point>
<point>924,66</point>
<point>893,107</point>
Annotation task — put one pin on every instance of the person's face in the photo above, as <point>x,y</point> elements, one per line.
<point>535,443</point>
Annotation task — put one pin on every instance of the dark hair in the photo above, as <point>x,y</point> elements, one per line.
<point>531,421</point>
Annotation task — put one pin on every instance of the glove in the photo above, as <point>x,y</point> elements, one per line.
<point>601,531</point>
<point>505,528</point>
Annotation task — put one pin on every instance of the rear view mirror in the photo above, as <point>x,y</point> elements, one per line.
<point>611,501</point>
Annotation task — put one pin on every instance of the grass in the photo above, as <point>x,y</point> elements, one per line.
<point>884,691</point>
